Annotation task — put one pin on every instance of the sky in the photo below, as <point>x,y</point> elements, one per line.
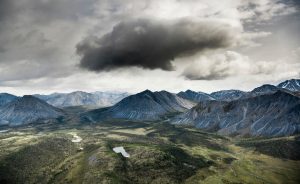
<point>51,46</point>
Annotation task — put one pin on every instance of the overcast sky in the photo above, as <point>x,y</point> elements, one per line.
<point>126,45</point>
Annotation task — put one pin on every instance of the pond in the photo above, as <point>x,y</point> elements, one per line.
<point>121,150</point>
<point>76,138</point>
<point>3,131</point>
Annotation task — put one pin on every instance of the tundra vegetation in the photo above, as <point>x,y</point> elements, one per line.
<point>159,153</point>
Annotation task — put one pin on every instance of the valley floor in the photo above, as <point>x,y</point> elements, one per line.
<point>159,153</point>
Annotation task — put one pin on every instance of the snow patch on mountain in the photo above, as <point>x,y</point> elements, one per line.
<point>292,85</point>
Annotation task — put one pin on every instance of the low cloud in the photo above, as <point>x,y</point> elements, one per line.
<point>223,65</point>
<point>153,44</point>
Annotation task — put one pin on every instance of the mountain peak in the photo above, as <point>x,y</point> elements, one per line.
<point>78,98</point>
<point>5,98</point>
<point>29,97</point>
<point>266,88</point>
<point>228,95</point>
<point>147,91</point>
<point>27,109</point>
<point>195,96</point>
<point>146,105</point>
<point>190,91</point>
<point>78,92</point>
<point>292,85</point>
<point>6,94</point>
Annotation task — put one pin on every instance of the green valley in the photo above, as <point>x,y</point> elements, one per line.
<point>159,153</point>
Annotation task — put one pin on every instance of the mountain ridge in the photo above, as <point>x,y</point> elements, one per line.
<point>6,98</point>
<point>274,114</point>
<point>78,98</point>
<point>194,96</point>
<point>27,109</point>
<point>146,105</point>
<point>292,85</point>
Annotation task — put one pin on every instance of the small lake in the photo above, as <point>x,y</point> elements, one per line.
<point>121,150</point>
<point>76,138</point>
<point>3,131</point>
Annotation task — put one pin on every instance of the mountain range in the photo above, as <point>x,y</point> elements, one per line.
<point>275,114</point>
<point>267,110</point>
<point>79,98</point>
<point>146,105</point>
<point>292,86</point>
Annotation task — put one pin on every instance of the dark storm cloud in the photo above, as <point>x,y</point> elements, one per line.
<point>5,7</point>
<point>7,15</point>
<point>152,44</point>
<point>214,75</point>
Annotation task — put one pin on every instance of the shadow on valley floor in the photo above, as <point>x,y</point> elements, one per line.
<point>285,147</point>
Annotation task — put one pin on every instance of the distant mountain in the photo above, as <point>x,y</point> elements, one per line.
<point>264,89</point>
<point>110,98</point>
<point>194,96</point>
<point>275,114</point>
<point>292,85</point>
<point>78,98</point>
<point>27,110</point>
<point>146,105</point>
<point>6,98</point>
<point>228,95</point>
<point>69,99</point>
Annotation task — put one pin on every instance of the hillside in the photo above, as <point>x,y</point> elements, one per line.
<point>146,105</point>
<point>5,98</point>
<point>266,115</point>
<point>194,96</point>
<point>292,85</point>
<point>27,110</point>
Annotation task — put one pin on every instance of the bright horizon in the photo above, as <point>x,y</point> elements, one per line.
<point>116,91</point>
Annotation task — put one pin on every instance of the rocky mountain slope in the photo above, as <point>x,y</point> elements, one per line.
<point>194,96</point>
<point>78,98</point>
<point>228,95</point>
<point>6,98</point>
<point>292,85</point>
<point>146,105</point>
<point>274,114</point>
<point>264,89</point>
<point>27,110</point>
